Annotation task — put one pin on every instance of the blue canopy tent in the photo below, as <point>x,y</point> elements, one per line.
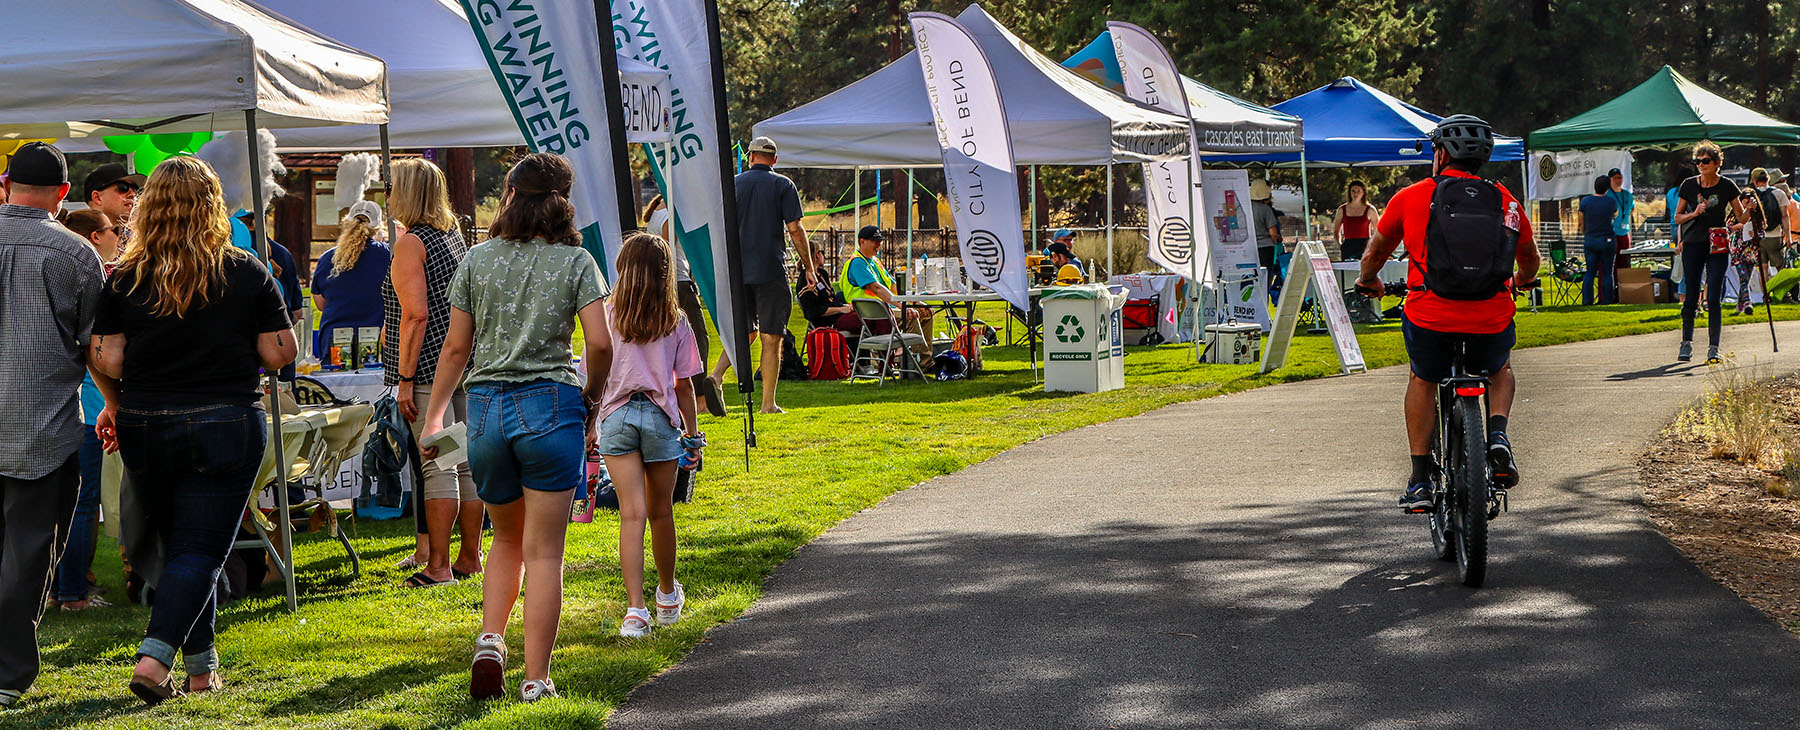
<point>1352,124</point>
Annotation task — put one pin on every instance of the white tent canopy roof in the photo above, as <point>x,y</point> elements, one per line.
<point>201,62</point>
<point>444,95</point>
<point>1056,116</point>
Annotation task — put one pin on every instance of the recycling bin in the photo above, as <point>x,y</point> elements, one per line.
<point>1084,342</point>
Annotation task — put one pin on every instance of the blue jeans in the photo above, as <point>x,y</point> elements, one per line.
<point>72,570</point>
<point>1601,255</point>
<point>526,436</point>
<point>192,469</point>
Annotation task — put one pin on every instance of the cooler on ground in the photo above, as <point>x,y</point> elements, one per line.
<point>1237,343</point>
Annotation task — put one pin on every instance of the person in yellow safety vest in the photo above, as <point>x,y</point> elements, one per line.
<point>1068,268</point>
<point>863,278</point>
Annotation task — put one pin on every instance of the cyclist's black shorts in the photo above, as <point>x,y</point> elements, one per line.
<point>1431,351</point>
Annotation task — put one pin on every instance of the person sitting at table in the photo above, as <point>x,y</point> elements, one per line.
<point>1064,260</point>
<point>864,278</point>
<point>824,306</point>
<point>346,285</point>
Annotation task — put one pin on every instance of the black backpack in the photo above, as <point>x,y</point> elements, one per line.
<point>1771,209</point>
<point>1469,247</point>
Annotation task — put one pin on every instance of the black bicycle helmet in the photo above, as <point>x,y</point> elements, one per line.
<point>1465,137</point>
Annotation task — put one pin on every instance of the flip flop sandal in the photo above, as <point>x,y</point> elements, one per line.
<point>154,694</point>
<point>421,580</point>
<point>211,686</point>
<point>459,575</point>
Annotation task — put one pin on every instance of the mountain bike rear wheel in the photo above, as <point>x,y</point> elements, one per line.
<point>1469,491</point>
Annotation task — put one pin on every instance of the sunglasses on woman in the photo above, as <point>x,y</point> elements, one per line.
<point>1706,160</point>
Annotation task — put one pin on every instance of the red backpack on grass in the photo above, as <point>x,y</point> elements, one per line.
<point>827,354</point>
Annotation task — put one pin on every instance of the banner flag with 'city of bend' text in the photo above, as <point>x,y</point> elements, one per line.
<point>1171,186</point>
<point>979,175</point>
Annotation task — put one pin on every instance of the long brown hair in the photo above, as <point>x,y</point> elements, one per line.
<point>180,236</point>
<point>650,209</point>
<point>644,307</point>
<point>421,196</point>
<point>537,202</point>
<point>351,241</point>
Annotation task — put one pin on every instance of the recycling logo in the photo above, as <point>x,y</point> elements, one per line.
<point>1069,329</point>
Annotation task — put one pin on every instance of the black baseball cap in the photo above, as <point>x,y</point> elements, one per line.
<point>870,232</point>
<point>38,163</point>
<point>105,176</point>
<point>1614,171</point>
<point>1058,248</point>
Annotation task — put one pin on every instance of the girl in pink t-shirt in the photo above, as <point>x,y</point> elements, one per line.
<point>647,420</point>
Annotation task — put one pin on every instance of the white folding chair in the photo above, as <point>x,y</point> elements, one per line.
<point>896,340</point>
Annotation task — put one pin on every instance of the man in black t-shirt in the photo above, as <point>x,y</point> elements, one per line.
<point>768,210</point>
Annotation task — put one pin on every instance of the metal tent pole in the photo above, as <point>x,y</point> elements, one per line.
<point>1034,214</point>
<point>1305,196</point>
<point>1109,218</point>
<point>260,234</point>
<point>387,179</point>
<point>856,199</point>
<point>912,274</point>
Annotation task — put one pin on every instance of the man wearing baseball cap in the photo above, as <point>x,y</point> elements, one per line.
<point>113,191</point>
<point>863,278</point>
<point>1063,257</point>
<point>50,284</point>
<point>768,210</point>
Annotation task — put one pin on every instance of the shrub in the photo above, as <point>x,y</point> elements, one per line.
<point>1737,419</point>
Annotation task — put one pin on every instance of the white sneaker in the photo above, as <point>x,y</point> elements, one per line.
<point>668,605</point>
<point>533,690</point>
<point>636,623</point>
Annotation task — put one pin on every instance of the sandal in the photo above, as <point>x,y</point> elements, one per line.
<point>410,562</point>
<point>421,580</point>
<point>487,674</point>
<point>213,684</point>
<point>154,694</point>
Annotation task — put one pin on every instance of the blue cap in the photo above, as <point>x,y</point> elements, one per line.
<point>1062,233</point>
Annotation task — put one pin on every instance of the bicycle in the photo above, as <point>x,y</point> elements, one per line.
<point>1464,496</point>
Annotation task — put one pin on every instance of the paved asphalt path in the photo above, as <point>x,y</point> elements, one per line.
<point>1238,562</point>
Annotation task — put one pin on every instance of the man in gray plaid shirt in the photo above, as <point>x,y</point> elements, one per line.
<point>49,287</point>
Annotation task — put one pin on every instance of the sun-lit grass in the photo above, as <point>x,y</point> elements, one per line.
<point>363,653</point>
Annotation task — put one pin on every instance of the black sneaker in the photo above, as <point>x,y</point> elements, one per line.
<point>1500,460</point>
<point>1417,498</point>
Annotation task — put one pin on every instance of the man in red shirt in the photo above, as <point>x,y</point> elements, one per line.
<point>1432,325</point>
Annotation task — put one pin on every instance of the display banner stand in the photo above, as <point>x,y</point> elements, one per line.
<point>1311,265</point>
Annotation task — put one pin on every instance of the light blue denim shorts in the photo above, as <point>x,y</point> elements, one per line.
<point>640,426</point>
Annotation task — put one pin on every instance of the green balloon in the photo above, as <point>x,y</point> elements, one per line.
<point>124,144</point>
<point>173,143</point>
<point>148,158</point>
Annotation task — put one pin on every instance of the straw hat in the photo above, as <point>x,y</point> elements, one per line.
<point>1259,189</point>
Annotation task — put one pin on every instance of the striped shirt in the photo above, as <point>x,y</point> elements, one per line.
<point>444,251</point>
<point>49,290</point>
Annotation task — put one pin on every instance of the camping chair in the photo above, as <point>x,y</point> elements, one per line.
<point>1566,273</point>
<point>896,340</point>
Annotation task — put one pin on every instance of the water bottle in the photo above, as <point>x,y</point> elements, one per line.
<point>689,446</point>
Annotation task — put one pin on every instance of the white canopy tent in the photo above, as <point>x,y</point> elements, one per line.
<point>1056,117</point>
<point>443,93</point>
<point>176,66</point>
<point>184,66</point>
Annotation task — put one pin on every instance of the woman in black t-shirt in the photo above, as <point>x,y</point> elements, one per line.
<point>184,323</point>
<point>1704,245</point>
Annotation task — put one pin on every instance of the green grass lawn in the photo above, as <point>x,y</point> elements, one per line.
<point>363,653</point>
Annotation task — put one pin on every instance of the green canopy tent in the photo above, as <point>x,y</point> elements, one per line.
<point>1664,112</point>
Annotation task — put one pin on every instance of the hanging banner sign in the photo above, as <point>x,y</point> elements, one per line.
<point>1169,185</point>
<point>546,58</point>
<point>979,176</point>
<point>646,104</point>
<point>1225,212</point>
<point>672,35</point>
<point>1560,175</point>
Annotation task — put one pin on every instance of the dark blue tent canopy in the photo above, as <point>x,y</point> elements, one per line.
<point>1351,124</point>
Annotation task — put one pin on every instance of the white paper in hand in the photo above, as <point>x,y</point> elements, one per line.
<point>451,444</point>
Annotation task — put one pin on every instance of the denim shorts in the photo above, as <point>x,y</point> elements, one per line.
<point>640,426</point>
<point>1431,350</point>
<point>525,436</point>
